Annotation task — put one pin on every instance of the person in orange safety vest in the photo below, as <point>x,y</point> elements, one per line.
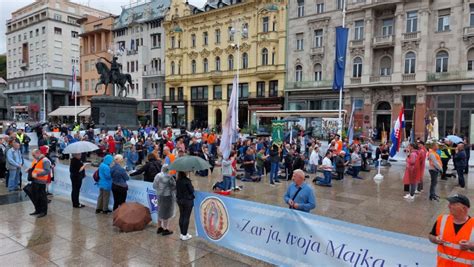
<point>40,172</point>
<point>454,234</point>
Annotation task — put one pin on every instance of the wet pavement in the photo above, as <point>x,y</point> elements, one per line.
<point>79,237</point>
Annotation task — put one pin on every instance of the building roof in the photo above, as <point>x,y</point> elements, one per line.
<point>142,13</point>
<point>215,4</point>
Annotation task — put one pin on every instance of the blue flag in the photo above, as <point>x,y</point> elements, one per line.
<point>340,62</point>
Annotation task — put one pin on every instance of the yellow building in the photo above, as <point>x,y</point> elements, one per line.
<point>202,60</point>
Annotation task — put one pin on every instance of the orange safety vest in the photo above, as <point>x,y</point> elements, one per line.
<point>339,146</point>
<point>450,254</point>
<point>437,157</point>
<point>172,158</point>
<point>38,169</point>
<point>211,139</point>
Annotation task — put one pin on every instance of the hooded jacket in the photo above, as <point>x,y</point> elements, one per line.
<point>105,181</point>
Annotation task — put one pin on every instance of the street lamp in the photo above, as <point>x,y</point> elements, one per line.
<point>44,64</point>
<point>243,31</point>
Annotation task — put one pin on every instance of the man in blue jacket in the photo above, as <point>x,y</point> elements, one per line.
<point>300,196</point>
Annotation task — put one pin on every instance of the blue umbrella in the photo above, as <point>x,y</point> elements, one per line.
<point>454,138</point>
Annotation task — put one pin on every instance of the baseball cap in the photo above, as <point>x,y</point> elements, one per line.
<point>458,198</point>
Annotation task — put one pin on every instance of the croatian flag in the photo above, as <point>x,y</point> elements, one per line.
<point>340,61</point>
<point>396,135</point>
<point>230,124</point>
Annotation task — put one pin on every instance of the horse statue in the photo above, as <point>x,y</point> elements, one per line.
<point>113,76</point>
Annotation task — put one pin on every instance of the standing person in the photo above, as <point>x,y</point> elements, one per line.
<point>169,158</point>
<point>459,160</point>
<point>356,162</point>
<point>111,145</point>
<point>453,234</point>
<point>77,173</point>
<point>340,164</point>
<point>165,187</point>
<point>119,181</point>
<point>227,171</point>
<point>300,196</point>
<point>327,169</point>
<point>411,171</point>
<point>3,150</point>
<point>421,165</point>
<point>105,185</point>
<point>289,164</point>
<point>185,199</point>
<point>132,158</point>
<point>445,155</point>
<point>467,150</point>
<point>314,159</point>
<point>274,164</point>
<point>151,168</point>
<point>40,171</point>
<point>435,168</point>
<point>261,157</point>
<point>14,164</point>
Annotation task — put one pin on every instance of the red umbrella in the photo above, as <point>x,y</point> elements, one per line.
<point>131,217</point>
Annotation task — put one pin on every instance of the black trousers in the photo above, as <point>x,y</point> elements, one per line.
<point>39,199</point>
<point>434,182</point>
<point>185,209</point>
<point>76,189</point>
<point>445,168</point>
<point>120,195</point>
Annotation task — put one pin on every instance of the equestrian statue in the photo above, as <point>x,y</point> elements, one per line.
<point>113,76</point>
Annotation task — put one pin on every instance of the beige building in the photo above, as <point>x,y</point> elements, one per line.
<point>96,39</point>
<point>202,59</point>
<point>412,53</point>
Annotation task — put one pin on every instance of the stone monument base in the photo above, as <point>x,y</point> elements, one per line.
<point>109,111</point>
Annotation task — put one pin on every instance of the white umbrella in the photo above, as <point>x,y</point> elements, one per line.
<point>80,147</point>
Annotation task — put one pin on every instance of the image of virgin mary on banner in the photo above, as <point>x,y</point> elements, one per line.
<point>277,131</point>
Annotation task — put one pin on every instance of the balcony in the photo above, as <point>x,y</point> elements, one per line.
<point>356,43</point>
<point>175,98</point>
<point>308,85</point>
<point>317,50</point>
<point>268,36</point>
<point>216,76</point>
<point>24,65</point>
<point>266,72</point>
<point>408,77</point>
<point>383,41</point>
<point>381,79</point>
<point>266,94</point>
<point>468,32</point>
<point>410,36</point>
<point>150,72</point>
<point>132,52</point>
<point>174,80</point>
<point>356,80</point>
<point>450,76</point>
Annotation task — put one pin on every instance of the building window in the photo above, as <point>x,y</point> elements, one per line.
<point>264,56</point>
<point>155,40</point>
<point>340,4</point>
<point>470,59</point>
<point>273,88</point>
<point>319,8</point>
<point>230,62</point>
<point>357,67</point>
<point>218,63</point>
<point>387,27</point>
<point>300,10</point>
<point>86,65</point>
<point>205,38</point>
<point>260,89</point>
<point>318,38</point>
<point>43,30</point>
<point>231,34</point>
<point>57,17</point>
<point>299,41</point>
<point>205,65</point>
<point>74,34</point>
<point>299,73</point>
<point>243,90</point>
<point>318,72</point>
<point>193,40</point>
<point>410,63</point>
<point>245,61</point>
<point>180,93</point>
<point>172,93</point>
<point>443,20</point>
<point>442,61</point>
<point>199,93</point>
<point>86,86</point>
<point>173,42</point>
<point>172,68</point>
<point>385,66</point>
<point>471,15</point>
<point>359,30</point>
<point>31,34</point>
<point>217,34</point>
<point>193,66</point>
<point>265,21</point>
<point>217,93</point>
<point>412,21</point>
<point>58,31</point>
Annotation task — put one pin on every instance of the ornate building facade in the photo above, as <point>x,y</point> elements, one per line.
<point>202,60</point>
<point>416,54</point>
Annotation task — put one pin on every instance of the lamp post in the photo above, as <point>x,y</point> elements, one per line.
<point>44,64</point>
<point>243,31</point>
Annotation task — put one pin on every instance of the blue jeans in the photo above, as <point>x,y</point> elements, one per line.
<point>13,179</point>
<point>232,182</point>
<point>227,182</point>
<point>274,172</point>
<point>327,178</point>
<point>260,171</point>
<point>356,170</point>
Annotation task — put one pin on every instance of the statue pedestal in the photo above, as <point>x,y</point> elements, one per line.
<point>109,111</point>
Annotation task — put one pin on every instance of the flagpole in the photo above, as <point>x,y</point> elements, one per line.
<point>75,96</point>
<point>342,88</point>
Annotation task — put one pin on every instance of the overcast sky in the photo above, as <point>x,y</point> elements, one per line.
<point>111,6</point>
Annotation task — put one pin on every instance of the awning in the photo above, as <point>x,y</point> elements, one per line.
<point>19,107</point>
<point>69,111</point>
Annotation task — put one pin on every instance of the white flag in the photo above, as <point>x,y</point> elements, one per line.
<point>230,124</point>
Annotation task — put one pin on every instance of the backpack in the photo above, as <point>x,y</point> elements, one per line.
<point>96,176</point>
